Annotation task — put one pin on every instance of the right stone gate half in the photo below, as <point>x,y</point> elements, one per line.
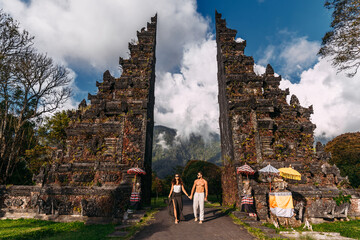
<point>259,127</point>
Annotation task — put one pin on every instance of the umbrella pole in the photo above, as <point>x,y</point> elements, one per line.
<point>134,183</point>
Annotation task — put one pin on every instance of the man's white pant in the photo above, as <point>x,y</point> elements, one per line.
<point>199,201</point>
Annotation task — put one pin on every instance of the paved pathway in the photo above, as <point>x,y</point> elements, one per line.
<point>216,225</point>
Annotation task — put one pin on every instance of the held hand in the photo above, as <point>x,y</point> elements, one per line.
<point>190,197</point>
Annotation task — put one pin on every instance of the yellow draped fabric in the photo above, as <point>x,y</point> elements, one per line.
<point>281,204</point>
<point>290,173</point>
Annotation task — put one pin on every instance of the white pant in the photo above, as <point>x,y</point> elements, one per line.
<point>199,201</point>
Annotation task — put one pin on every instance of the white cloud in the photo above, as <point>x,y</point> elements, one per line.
<point>239,40</point>
<point>334,97</point>
<point>298,54</point>
<point>294,54</point>
<point>96,33</point>
<point>268,55</point>
<point>161,141</point>
<point>92,34</point>
<point>187,100</point>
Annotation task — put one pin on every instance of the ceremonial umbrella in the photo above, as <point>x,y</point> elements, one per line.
<point>245,169</point>
<point>270,170</point>
<point>290,173</point>
<point>136,171</point>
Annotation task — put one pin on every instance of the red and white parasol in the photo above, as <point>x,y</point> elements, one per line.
<point>136,171</point>
<point>245,169</point>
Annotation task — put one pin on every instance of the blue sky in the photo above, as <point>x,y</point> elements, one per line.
<point>259,22</point>
<point>88,36</point>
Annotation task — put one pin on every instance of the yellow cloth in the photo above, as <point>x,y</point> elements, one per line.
<point>280,201</point>
<point>281,204</point>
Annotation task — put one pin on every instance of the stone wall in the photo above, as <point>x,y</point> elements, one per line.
<point>258,126</point>
<point>89,180</point>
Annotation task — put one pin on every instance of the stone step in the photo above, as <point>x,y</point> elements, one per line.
<point>136,215</point>
<point>267,230</point>
<point>117,234</point>
<point>276,236</point>
<point>131,221</point>
<point>240,215</point>
<point>251,222</point>
<point>123,226</point>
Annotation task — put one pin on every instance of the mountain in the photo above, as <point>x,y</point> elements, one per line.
<point>170,151</point>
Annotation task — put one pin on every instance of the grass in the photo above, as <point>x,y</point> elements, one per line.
<point>137,227</point>
<point>159,202</point>
<point>349,229</point>
<point>49,230</point>
<point>256,232</point>
<point>39,229</point>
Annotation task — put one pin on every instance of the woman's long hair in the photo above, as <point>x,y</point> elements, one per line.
<point>174,180</point>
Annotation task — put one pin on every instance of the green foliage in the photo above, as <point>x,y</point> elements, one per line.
<point>157,186</point>
<point>19,172</point>
<point>342,199</point>
<point>211,173</point>
<point>341,43</point>
<point>38,229</point>
<point>22,174</point>
<point>37,157</point>
<point>158,202</point>
<point>349,229</point>
<point>52,132</point>
<point>345,153</point>
<point>51,135</point>
<point>170,151</point>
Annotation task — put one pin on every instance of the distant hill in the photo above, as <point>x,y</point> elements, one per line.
<point>345,153</point>
<point>169,151</point>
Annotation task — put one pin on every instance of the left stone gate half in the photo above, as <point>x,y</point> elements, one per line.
<point>88,179</point>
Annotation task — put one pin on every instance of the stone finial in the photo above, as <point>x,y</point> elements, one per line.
<point>83,104</point>
<point>294,100</point>
<point>269,70</point>
<point>319,147</point>
<point>217,14</point>
<point>107,76</point>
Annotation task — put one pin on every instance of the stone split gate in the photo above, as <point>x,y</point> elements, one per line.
<point>88,179</point>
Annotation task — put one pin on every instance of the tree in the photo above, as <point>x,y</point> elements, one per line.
<point>31,84</point>
<point>211,173</point>
<point>52,132</point>
<point>342,43</point>
<point>50,136</point>
<point>345,153</point>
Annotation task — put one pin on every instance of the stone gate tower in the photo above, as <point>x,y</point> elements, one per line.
<point>258,126</point>
<point>88,180</point>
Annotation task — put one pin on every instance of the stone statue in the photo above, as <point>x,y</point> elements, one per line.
<point>247,200</point>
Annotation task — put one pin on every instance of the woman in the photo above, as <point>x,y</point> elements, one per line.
<point>175,200</point>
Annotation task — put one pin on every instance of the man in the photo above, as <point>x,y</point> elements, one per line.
<point>201,193</point>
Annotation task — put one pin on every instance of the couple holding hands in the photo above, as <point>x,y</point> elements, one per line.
<point>175,204</point>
